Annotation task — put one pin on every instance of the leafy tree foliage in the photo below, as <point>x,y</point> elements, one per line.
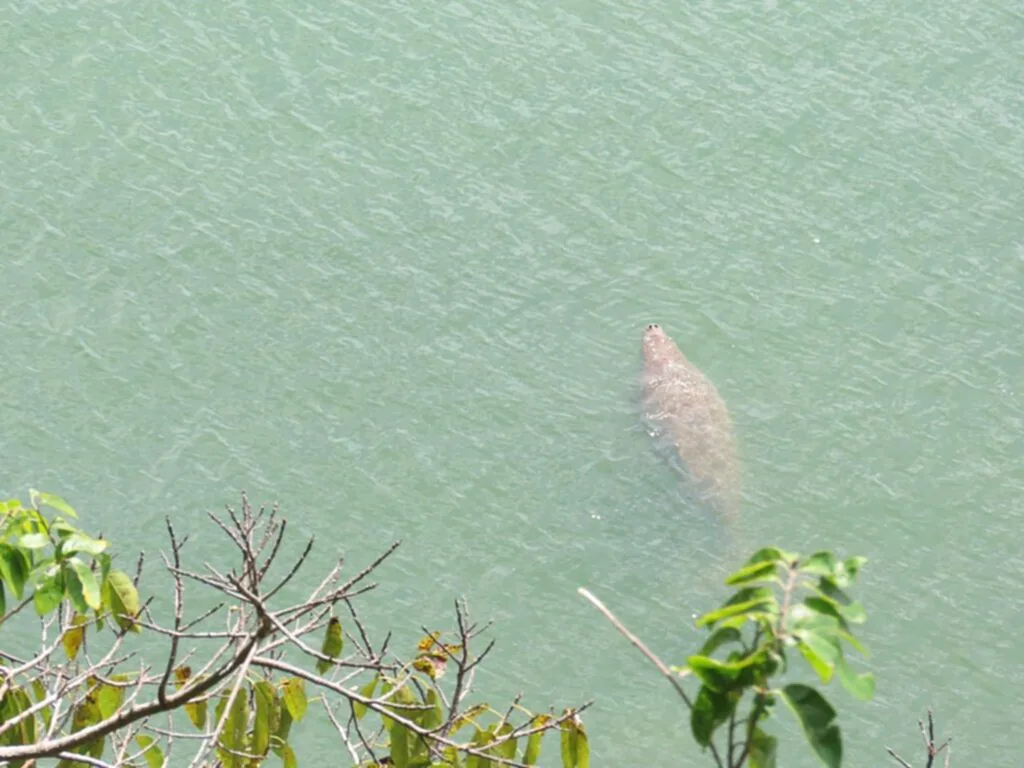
<point>783,603</point>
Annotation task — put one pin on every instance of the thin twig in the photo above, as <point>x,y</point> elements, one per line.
<point>899,759</point>
<point>179,608</point>
<point>636,641</point>
<point>639,644</point>
<point>84,759</point>
<point>239,679</point>
<point>341,733</point>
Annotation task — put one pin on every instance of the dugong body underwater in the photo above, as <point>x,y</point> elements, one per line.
<point>682,406</point>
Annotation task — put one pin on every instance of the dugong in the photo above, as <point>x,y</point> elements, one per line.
<point>682,406</point>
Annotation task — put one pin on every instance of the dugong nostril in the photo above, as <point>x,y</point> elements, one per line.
<point>652,327</point>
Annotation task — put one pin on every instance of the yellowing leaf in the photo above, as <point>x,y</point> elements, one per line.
<point>90,587</point>
<point>432,664</point>
<point>196,712</point>
<point>468,716</point>
<point>428,641</point>
<point>121,597</point>
<point>74,636</point>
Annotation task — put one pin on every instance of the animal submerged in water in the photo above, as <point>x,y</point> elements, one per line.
<point>682,406</point>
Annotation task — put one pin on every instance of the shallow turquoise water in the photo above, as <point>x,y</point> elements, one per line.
<point>389,265</point>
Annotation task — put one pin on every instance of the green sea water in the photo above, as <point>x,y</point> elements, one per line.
<point>388,264</point>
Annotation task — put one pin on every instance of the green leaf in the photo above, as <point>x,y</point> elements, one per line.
<point>85,714</point>
<point>83,587</point>
<point>34,540</point>
<point>710,710</point>
<point>575,747</point>
<point>40,693</point>
<point>722,676</point>
<point>284,724</point>
<point>846,571</point>
<point>14,569</point>
<point>40,498</point>
<point>861,687</point>
<point>121,597</point>
<point>716,675</point>
<point>506,749</point>
<point>827,588</point>
<point>366,692</point>
<point>823,616</point>
<point>62,529</point>
<point>771,554</point>
<point>265,695</point>
<point>753,573</point>
<point>399,746</point>
<point>10,506</point>
<point>434,716</point>
<point>825,607</point>
<point>850,610</point>
<point>568,748</point>
<point>582,747</point>
<point>749,608</point>
<point>79,542</point>
<point>747,601</point>
<point>480,740</point>
<point>763,750</point>
<point>533,741</point>
<point>151,751</point>
<point>816,715</point>
<point>820,564</point>
<point>287,756</point>
<point>73,589</point>
<point>402,696</point>
<point>853,564</point>
<point>14,702</point>
<point>49,594</point>
<point>294,690</point>
<point>196,711</point>
<point>109,699</point>
<point>232,735</point>
<point>821,652</point>
<point>3,601</point>
<point>333,642</point>
<point>90,587</point>
<point>104,560</point>
<point>718,638</point>
<point>74,636</point>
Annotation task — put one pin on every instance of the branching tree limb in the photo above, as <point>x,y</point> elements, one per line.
<point>243,684</point>
<point>931,749</point>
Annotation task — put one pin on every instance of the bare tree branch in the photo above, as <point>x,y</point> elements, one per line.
<point>930,748</point>
<point>257,635</point>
